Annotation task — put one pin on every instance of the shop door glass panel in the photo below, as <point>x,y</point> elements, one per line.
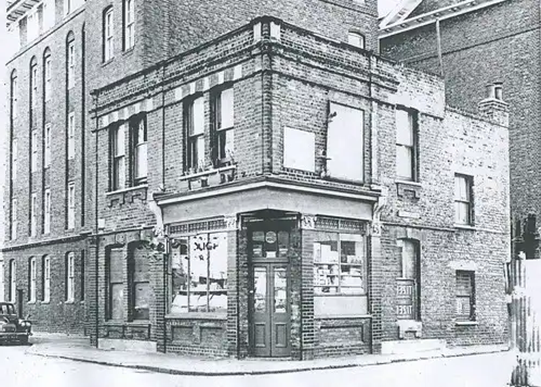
<point>260,289</point>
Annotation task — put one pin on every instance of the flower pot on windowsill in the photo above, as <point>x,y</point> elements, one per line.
<point>184,185</point>
<point>214,179</point>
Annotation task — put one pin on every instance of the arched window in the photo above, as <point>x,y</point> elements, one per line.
<point>13,92</point>
<point>32,279</point>
<point>46,278</point>
<point>47,87</point>
<point>108,34</point>
<point>33,81</point>
<point>70,60</point>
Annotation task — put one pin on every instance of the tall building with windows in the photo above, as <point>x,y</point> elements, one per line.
<point>246,178</point>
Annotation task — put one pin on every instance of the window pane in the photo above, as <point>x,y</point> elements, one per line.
<point>141,161</point>
<point>409,260</point>
<point>326,264</point>
<point>404,162</point>
<point>200,151</point>
<point>404,128</point>
<point>462,213</point>
<point>227,108</point>
<point>198,118</point>
<point>463,306</point>
<point>117,301</point>
<point>260,289</point>
<point>141,301</point>
<point>119,141</point>
<point>461,188</point>
<point>218,272</point>
<point>180,271</point>
<point>352,273</point>
<point>280,290</point>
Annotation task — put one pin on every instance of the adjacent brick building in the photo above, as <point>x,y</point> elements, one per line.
<point>473,44</point>
<point>273,192</point>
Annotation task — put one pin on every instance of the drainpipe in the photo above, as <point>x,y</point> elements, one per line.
<point>96,226</point>
<point>440,55</point>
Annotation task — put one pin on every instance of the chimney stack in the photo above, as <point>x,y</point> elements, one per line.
<point>493,106</point>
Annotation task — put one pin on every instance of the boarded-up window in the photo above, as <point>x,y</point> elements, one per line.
<point>299,149</point>
<point>116,284</point>
<point>139,275</point>
<point>345,149</point>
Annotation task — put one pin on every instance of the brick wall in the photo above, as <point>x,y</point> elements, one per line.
<point>497,43</point>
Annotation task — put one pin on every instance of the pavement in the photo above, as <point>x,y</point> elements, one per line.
<point>78,348</point>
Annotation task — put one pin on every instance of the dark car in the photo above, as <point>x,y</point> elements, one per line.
<point>12,328</point>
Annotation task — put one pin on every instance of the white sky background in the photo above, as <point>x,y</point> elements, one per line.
<point>384,6</point>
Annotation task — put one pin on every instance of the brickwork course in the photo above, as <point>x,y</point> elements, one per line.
<point>284,69</point>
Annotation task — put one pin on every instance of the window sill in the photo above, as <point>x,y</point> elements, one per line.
<point>207,173</point>
<point>403,187</point>
<point>127,195</point>
<point>465,227</point>
<point>124,190</point>
<point>45,302</point>
<point>103,64</point>
<point>31,302</point>
<point>342,317</point>
<point>340,295</point>
<point>466,323</point>
<point>129,51</point>
<point>69,302</point>
<point>197,316</point>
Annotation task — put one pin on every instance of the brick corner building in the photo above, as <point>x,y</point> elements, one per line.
<point>266,187</point>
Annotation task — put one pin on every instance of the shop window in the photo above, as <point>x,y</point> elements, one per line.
<point>138,130</point>
<point>194,129</point>
<point>139,281</point>
<point>32,277</point>
<point>406,145</point>
<point>345,143</point>
<point>115,310</point>
<point>340,264</point>
<point>46,279</point>
<point>224,134</point>
<point>463,200</point>
<point>199,274</point>
<point>465,295</point>
<point>12,281</point>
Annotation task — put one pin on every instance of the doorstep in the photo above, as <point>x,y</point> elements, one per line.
<point>179,365</point>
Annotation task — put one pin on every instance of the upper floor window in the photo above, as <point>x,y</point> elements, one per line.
<point>47,211</point>
<point>223,137</point>
<point>71,136</point>
<point>48,14</point>
<point>34,154</point>
<point>71,206</point>
<point>47,144</point>
<point>139,140</point>
<point>406,145</point>
<point>118,150</point>
<point>14,36</point>
<point>356,39</point>
<point>33,214</point>
<point>46,279</point>
<point>14,156</point>
<point>345,143</point>
<point>194,129</point>
<point>32,25</point>
<point>47,75</point>
<point>70,277</point>
<point>129,24</point>
<point>32,280</point>
<point>14,95</point>
<point>14,220</point>
<point>33,82</point>
<point>108,34</point>
<point>70,59</point>
<point>463,199</point>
